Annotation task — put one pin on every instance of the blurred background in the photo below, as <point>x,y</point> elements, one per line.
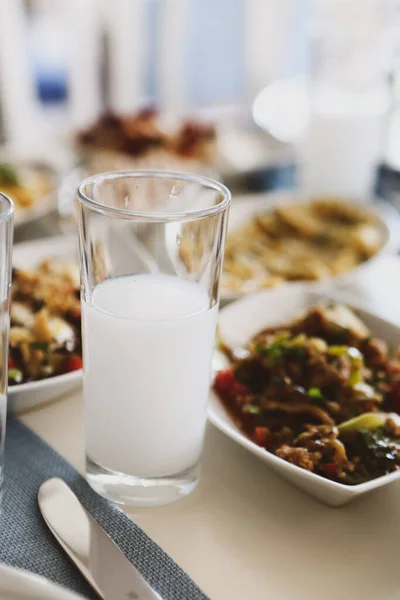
<point>183,55</point>
<point>291,92</point>
<point>293,104</point>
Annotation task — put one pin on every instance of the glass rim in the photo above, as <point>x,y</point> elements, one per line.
<point>8,210</point>
<point>125,213</point>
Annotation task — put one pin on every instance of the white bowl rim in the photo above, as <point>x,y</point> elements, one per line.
<point>43,383</point>
<point>231,430</point>
<point>47,202</point>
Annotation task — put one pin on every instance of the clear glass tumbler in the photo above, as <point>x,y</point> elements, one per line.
<point>349,98</point>
<point>6,238</point>
<point>151,248</point>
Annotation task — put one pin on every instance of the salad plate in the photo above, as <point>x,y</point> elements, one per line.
<point>27,256</point>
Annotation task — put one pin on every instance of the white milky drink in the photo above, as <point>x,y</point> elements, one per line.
<point>147,373</point>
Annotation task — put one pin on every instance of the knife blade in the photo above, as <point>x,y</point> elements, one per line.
<point>100,561</point>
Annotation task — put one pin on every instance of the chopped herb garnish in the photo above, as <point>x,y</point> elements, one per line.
<point>282,349</point>
<point>273,353</point>
<point>15,375</point>
<point>295,353</point>
<point>261,350</point>
<point>315,393</point>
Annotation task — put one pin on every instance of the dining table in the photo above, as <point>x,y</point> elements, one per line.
<point>245,533</point>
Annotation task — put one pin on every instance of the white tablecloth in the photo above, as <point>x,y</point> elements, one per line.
<point>245,534</point>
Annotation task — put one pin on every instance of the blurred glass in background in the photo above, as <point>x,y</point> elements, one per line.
<point>349,98</point>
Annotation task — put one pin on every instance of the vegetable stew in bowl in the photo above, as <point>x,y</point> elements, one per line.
<point>320,392</point>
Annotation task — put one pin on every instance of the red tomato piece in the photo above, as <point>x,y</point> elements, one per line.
<point>73,363</point>
<point>330,470</point>
<point>224,381</point>
<point>262,435</point>
<point>11,363</point>
<point>227,385</point>
<point>76,314</point>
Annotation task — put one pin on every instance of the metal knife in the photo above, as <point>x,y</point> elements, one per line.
<point>101,562</point>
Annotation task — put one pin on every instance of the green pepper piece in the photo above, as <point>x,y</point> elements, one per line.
<point>15,375</point>
<point>315,393</point>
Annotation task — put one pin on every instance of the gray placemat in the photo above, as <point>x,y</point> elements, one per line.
<point>26,542</point>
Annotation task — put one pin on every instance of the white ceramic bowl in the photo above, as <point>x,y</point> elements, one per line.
<point>244,208</point>
<point>27,395</point>
<point>16,584</point>
<point>241,320</point>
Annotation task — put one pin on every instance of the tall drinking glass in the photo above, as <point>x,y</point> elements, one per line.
<point>151,249</point>
<point>349,98</point>
<point>6,237</point>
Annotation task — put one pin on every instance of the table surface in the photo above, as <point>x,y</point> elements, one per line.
<point>245,533</point>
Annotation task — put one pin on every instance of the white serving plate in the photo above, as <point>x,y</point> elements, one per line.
<point>27,395</point>
<point>42,206</point>
<point>242,319</point>
<point>52,160</point>
<point>244,208</point>
<point>16,584</point>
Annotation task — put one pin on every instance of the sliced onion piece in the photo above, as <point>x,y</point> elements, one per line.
<point>370,420</point>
